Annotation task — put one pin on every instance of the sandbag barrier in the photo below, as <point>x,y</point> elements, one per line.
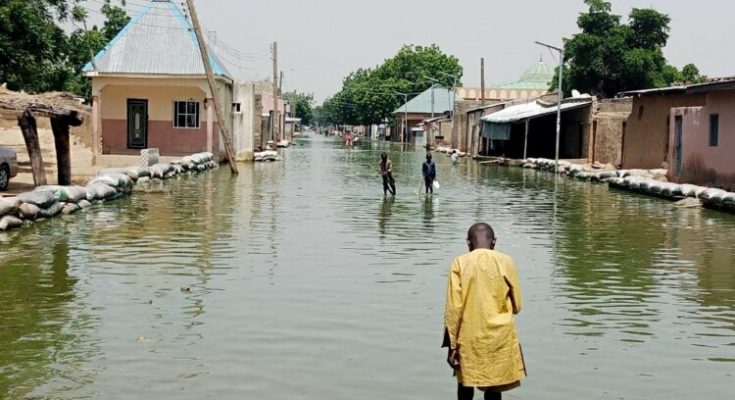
<point>109,184</point>
<point>640,181</point>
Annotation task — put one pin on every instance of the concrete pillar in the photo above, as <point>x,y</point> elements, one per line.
<point>96,134</point>
<point>210,124</point>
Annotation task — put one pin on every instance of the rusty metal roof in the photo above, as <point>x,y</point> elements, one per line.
<point>158,41</point>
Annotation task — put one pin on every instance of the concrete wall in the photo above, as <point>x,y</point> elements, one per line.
<point>112,94</point>
<point>606,145</point>
<point>460,138</point>
<point>646,134</point>
<point>498,94</point>
<point>703,164</point>
<point>245,125</point>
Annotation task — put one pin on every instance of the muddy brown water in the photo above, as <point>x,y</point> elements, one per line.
<point>300,281</point>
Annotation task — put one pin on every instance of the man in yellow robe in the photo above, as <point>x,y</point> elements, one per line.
<point>483,294</point>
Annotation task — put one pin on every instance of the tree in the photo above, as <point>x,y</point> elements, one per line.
<point>301,105</point>
<point>86,43</point>
<point>370,95</point>
<point>32,45</point>
<point>609,57</point>
<point>36,55</point>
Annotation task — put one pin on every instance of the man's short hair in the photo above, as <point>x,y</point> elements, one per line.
<point>481,228</point>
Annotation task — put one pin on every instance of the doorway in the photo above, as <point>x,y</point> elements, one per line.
<point>137,124</point>
<point>678,145</point>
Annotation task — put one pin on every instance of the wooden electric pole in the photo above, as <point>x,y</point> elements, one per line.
<point>219,111</point>
<point>275,119</point>
<point>482,80</point>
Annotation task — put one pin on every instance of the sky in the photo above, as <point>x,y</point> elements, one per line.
<point>321,41</point>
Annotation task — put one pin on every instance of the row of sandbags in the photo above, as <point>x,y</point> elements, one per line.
<point>586,172</point>
<point>648,182</point>
<point>710,197</point>
<point>109,184</point>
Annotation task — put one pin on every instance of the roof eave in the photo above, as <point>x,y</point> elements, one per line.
<point>138,75</point>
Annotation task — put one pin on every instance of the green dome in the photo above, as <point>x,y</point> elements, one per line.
<point>538,73</point>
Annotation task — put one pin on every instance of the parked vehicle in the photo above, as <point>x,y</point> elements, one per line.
<point>8,166</point>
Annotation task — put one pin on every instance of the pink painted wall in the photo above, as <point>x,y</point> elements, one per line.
<point>161,135</point>
<point>704,164</point>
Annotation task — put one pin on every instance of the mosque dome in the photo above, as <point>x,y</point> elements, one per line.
<point>538,73</point>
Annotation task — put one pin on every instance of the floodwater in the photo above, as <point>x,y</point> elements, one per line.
<point>297,280</point>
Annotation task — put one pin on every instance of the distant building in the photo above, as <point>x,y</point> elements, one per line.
<point>433,102</point>
<point>533,83</point>
<point>529,130</point>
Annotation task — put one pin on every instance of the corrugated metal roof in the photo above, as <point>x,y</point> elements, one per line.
<point>159,40</point>
<point>421,104</point>
<point>526,111</point>
<point>654,90</point>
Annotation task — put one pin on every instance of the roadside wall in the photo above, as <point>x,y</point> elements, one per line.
<point>606,144</point>
<point>646,134</point>
<point>702,163</point>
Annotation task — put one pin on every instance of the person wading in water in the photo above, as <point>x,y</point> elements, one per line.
<point>483,294</point>
<point>386,171</point>
<point>428,169</point>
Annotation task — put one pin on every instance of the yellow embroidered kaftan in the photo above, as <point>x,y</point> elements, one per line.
<point>483,293</point>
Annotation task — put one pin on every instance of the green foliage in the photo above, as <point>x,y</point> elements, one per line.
<point>36,55</point>
<point>32,45</point>
<point>609,57</point>
<point>86,43</point>
<point>302,105</point>
<point>369,96</point>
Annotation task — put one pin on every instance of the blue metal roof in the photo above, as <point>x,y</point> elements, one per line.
<point>159,40</point>
<point>421,104</point>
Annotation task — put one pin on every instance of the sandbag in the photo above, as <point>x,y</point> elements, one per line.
<point>689,190</point>
<point>9,222</point>
<point>70,208</point>
<point>608,174</point>
<point>728,199</point>
<point>41,198</point>
<point>712,194</point>
<point>116,180</point>
<point>160,170</point>
<point>66,193</point>
<point>633,182</point>
<point>29,211</point>
<point>101,190</point>
<point>58,191</point>
<point>51,211</point>
<point>84,204</point>
<point>9,205</point>
<point>142,172</point>
<point>132,174</point>
<point>144,179</point>
<point>656,186</point>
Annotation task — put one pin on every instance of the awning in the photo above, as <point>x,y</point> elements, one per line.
<point>526,111</point>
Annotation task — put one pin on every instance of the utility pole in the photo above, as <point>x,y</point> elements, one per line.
<point>274,118</point>
<point>560,97</point>
<point>482,80</point>
<point>224,130</point>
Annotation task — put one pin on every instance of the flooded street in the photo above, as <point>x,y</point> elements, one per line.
<point>298,280</point>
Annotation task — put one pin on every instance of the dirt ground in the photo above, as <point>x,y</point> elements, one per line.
<point>81,160</point>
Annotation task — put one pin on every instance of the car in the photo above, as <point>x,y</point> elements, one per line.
<point>8,166</point>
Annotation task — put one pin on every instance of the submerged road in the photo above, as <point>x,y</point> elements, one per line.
<point>298,280</point>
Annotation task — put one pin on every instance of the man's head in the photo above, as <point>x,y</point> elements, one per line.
<point>383,156</point>
<point>428,156</point>
<point>481,236</point>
